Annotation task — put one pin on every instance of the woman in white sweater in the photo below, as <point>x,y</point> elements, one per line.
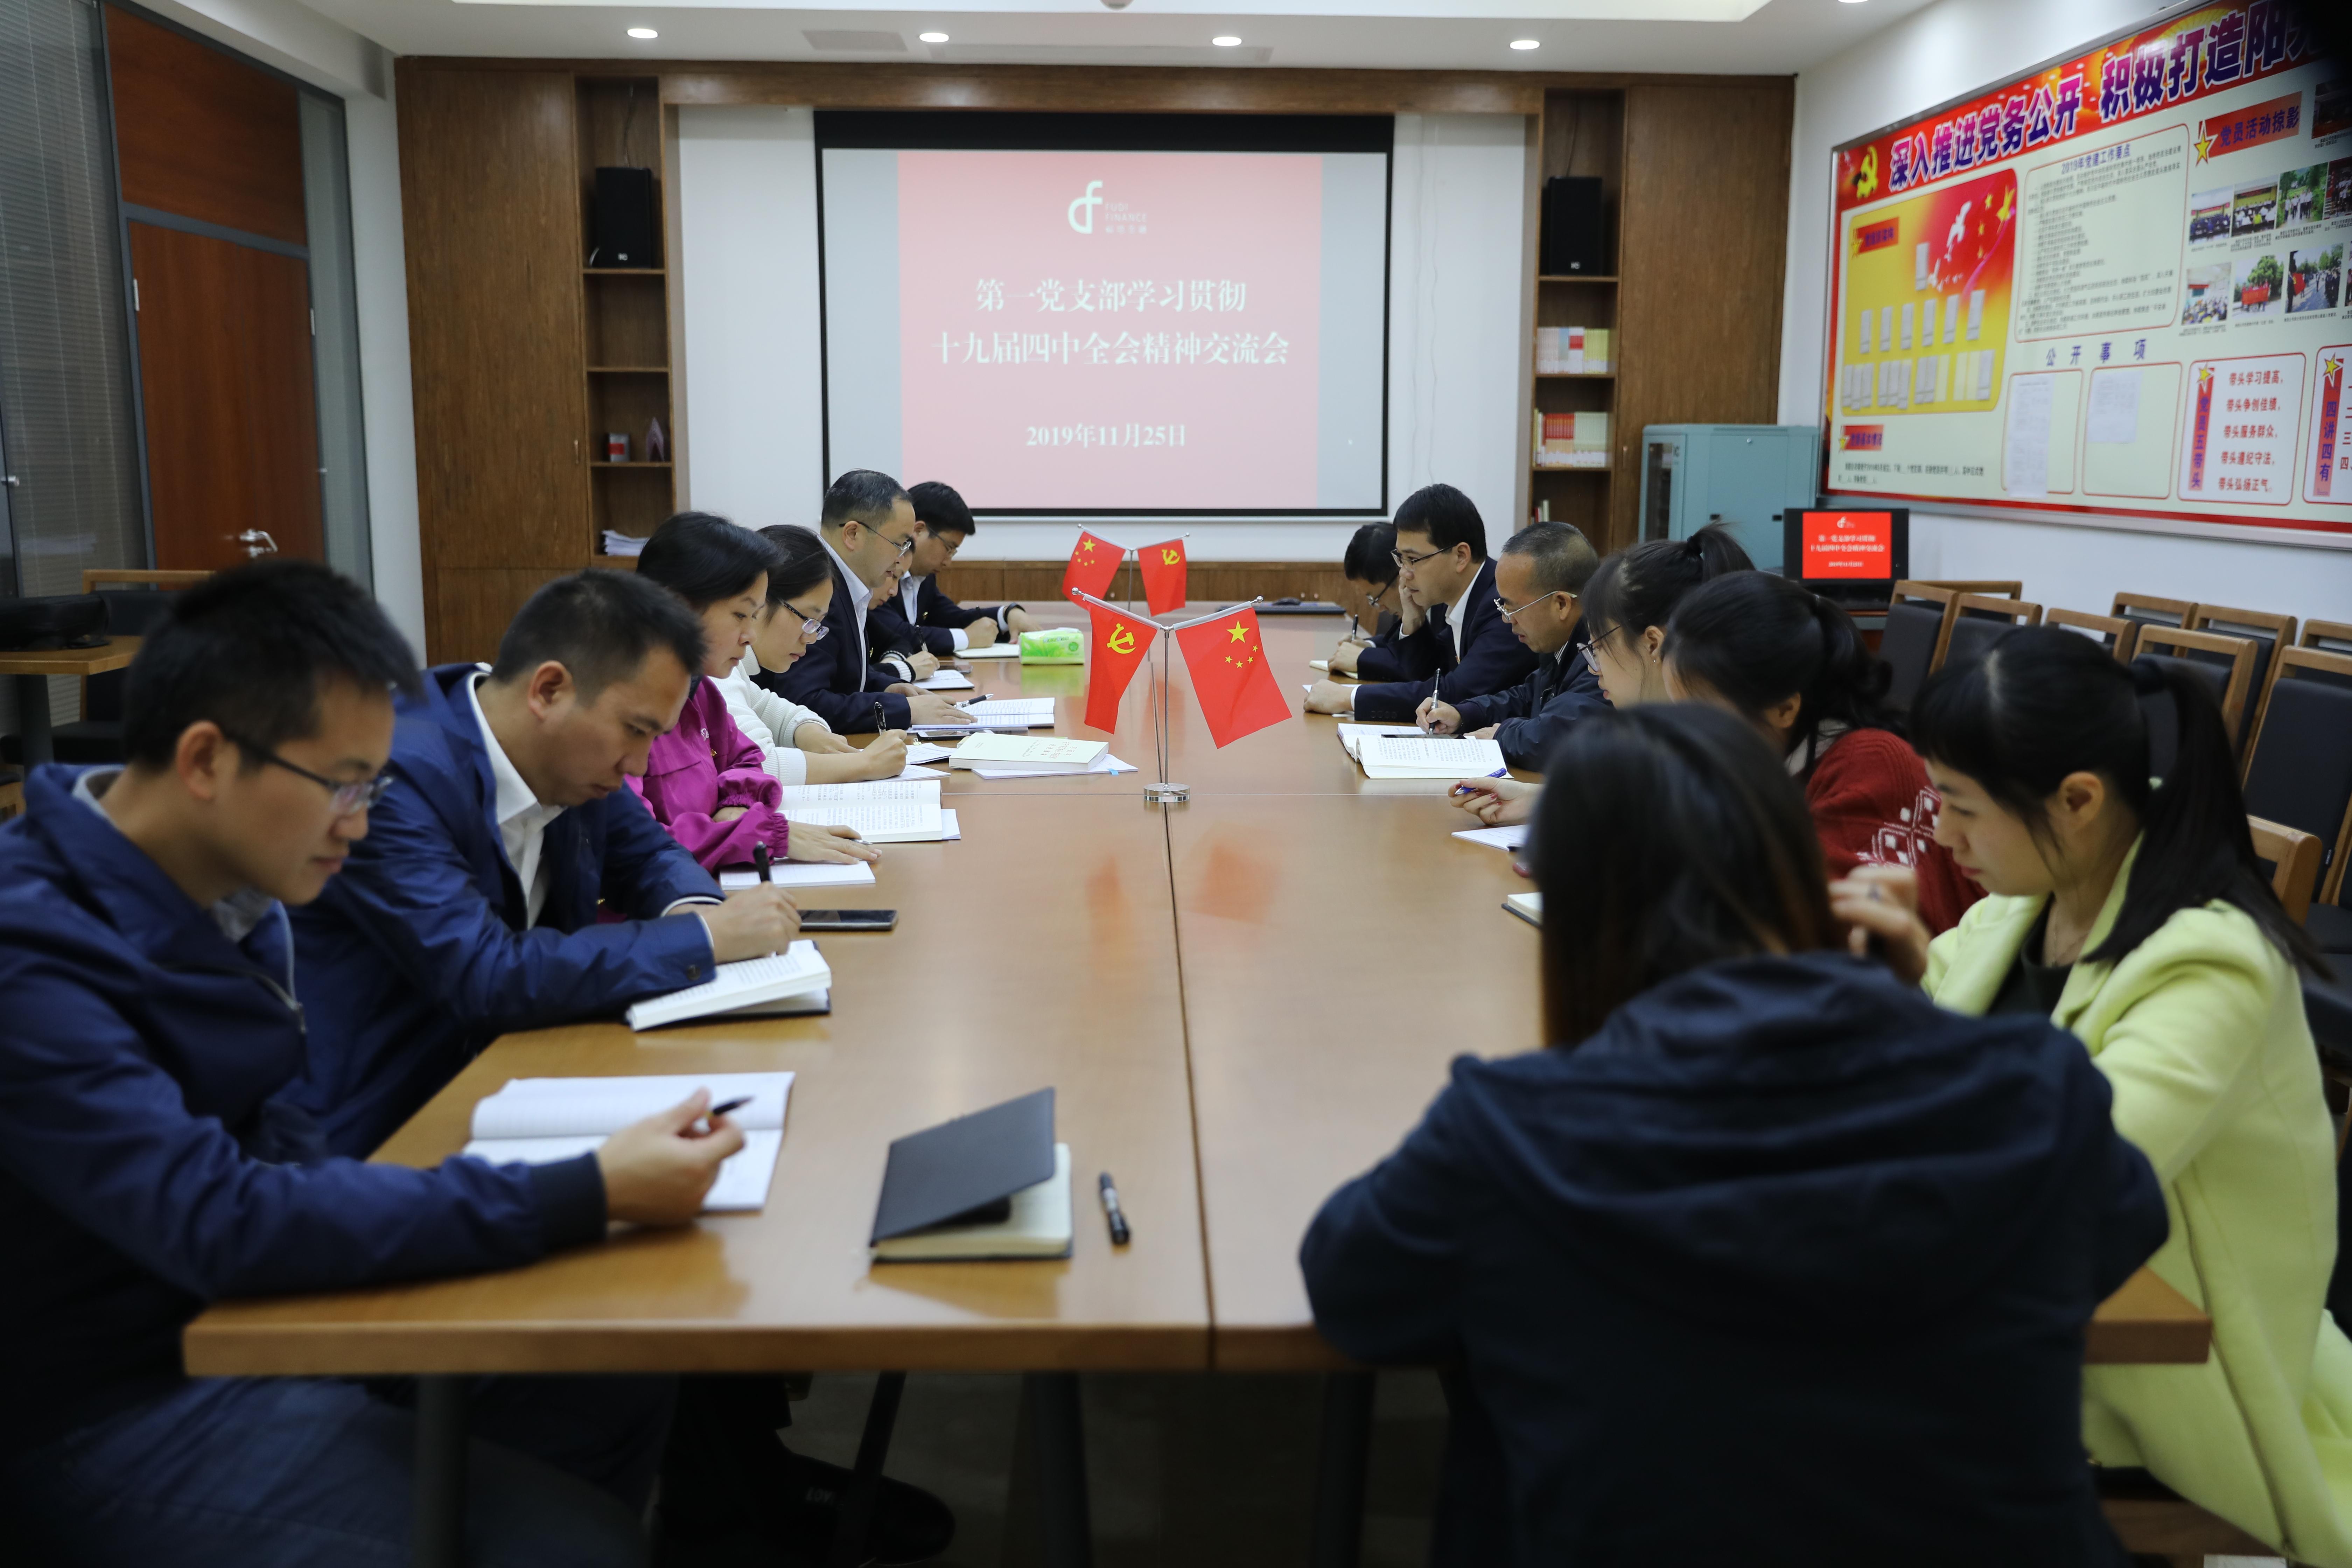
<point>798,746</point>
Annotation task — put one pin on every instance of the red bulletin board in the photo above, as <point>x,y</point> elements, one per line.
<point>2115,284</point>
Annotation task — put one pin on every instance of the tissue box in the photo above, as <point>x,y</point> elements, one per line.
<point>1061,644</point>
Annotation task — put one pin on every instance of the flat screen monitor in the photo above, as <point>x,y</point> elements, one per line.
<point>1848,552</point>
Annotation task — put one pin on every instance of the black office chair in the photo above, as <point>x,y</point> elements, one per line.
<point>2299,773</point>
<point>1979,621</point>
<point>2268,633</point>
<point>97,735</point>
<point>1912,636</point>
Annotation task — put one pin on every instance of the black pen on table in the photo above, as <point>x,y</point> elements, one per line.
<point>721,1108</point>
<point>1119,1234</point>
<point>762,863</point>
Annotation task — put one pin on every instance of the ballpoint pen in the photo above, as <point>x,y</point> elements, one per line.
<point>762,863</point>
<point>1119,1234</point>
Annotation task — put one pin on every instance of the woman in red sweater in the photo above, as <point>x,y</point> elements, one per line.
<point>1792,664</point>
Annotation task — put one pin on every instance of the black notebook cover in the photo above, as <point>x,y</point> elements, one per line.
<point>944,1172</point>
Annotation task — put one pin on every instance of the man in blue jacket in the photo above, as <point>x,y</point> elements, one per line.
<point>867,526</point>
<point>919,613</point>
<point>470,910</point>
<point>1542,569</point>
<point>148,980</point>
<point>1463,646</point>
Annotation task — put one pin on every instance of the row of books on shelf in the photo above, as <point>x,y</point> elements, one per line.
<point>1572,351</point>
<point>1571,440</point>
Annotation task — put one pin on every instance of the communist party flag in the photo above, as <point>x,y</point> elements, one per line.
<point>1164,576</point>
<point>1238,692</point>
<point>1120,641</point>
<point>1092,566</point>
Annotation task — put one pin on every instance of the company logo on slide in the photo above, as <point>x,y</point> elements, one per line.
<point>1082,211</point>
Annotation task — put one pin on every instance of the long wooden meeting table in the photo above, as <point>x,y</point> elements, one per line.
<point>1214,990</point>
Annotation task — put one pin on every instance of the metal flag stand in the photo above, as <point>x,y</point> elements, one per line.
<point>1162,790</point>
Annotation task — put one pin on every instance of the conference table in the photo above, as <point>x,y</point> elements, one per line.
<point>1239,1001</point>
<point>32,668</point>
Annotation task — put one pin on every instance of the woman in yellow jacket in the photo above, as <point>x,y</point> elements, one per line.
<point>2132,912</point>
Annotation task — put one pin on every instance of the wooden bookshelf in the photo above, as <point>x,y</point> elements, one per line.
<point>1582,133</point>
<point>625,354</point>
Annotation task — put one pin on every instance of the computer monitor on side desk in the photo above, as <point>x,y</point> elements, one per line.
<point>1855,555</point>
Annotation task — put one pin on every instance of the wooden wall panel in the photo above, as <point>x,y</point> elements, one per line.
<point>470,609</point>
<point>490,202</point>
<point>226,387</point>
<point>202,134</point>
<point>1703,229</point>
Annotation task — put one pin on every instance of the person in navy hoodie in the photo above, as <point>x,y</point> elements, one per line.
<point>154,1008</point>
<point>1768,1259</point>
<point>471,910</point>
<point>1463,646</point>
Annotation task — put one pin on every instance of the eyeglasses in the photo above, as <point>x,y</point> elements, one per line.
<point>904,545</point>
<point>1593,649</point>
<point>1407,563</point>
<point>1503,605</point>
<point>812,628</point>
<point>349,796</point>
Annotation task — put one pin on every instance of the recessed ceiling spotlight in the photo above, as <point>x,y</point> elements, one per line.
<point>1526,44</point>
<point>1849,1</point>
<point>643,32</point>
<point>932,37</point>
<point>1227,41</point>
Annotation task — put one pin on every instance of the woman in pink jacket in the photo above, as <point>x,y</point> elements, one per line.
<point>705,780</point>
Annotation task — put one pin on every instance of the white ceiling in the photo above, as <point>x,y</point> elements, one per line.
<point>1759,36</point>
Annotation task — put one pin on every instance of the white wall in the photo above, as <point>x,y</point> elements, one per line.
<point>747,263</point>
<point>1940,53</point>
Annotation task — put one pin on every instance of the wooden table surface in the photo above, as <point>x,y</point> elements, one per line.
<point>116,652</point>
<point>1229,1093</point>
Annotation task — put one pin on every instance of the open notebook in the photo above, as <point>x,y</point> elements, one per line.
<point>1428,757</point>
<point>795,875</point>
<point>883,811</point>
<point>539,1120</point>
<point>1013,712</point>
<point>751,986</point>
<point>1352,736</point>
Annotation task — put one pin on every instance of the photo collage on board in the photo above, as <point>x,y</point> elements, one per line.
<point>2270,243</point>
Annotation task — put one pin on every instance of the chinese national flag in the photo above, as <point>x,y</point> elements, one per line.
<point>1164,576</point>
<point>1238,692</point>
<point>1092,566</point>
<point>1120,641</point>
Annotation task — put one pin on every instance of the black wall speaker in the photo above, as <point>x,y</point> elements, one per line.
<point>1572,241</point>
<point>624,219</point>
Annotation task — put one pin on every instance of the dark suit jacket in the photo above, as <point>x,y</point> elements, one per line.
<point>1378,661</point>
<point>417,954</point>
<point>936,616</point>
<point>1485,658</point>
<point>834,678</point>
<point>1532,716</point>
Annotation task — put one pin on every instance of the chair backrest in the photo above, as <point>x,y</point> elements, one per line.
<point>2299,767</point>
<point>2266,631</point>
<point>2225,663</point>
<point>2149,610</point>
<point>2120,633</point>
<point>96,577</point>
<point>1999,590</point>
<point>2294,856</point>
<point>1978,622</point>
<point>1918,618</point>
<point>2327,637</point>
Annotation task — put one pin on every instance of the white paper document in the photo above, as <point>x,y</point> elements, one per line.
<point>740,986</point>
<point>2115,408</point>
<point>856,874</point>
<point>1013,712</point>
<point>948,681</point>
<point>1512,838</point>
<point>1106,764</point>
<point>2025,451</point>
<point>538,1120</point>
<point>993,650</point>
<point>1428,757</point>
<point>1352,736</point>
<point>882,811</point>
<point>925,751</point>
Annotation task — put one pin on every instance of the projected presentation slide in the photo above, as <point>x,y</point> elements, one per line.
<point>1066,330</point>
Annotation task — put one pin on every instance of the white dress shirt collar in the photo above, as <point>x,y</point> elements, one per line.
<point>1460,608</point>
<point>522,819</point>
<point>861,597</point>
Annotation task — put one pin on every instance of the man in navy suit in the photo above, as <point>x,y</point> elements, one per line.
<point>1463,647</point>
<point>867,525</point>
<point>470,907</point>
<point>1537,579</point>
<point>920,614</point>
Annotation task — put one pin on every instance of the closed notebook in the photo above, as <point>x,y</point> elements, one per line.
<point>1428,757</point>
<point>1529,907</point>
<point>540,1121</point>
<point>745,986</point>
<point>950,1191</point>
<point>1028,753</point>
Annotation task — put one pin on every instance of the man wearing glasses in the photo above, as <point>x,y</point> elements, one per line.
<point>1538,577</point>
<point>869,527</point>
<point>1464,647</point>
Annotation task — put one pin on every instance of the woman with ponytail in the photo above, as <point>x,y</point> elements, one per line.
<point>1791,664</point>
<point>2099,807</point>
